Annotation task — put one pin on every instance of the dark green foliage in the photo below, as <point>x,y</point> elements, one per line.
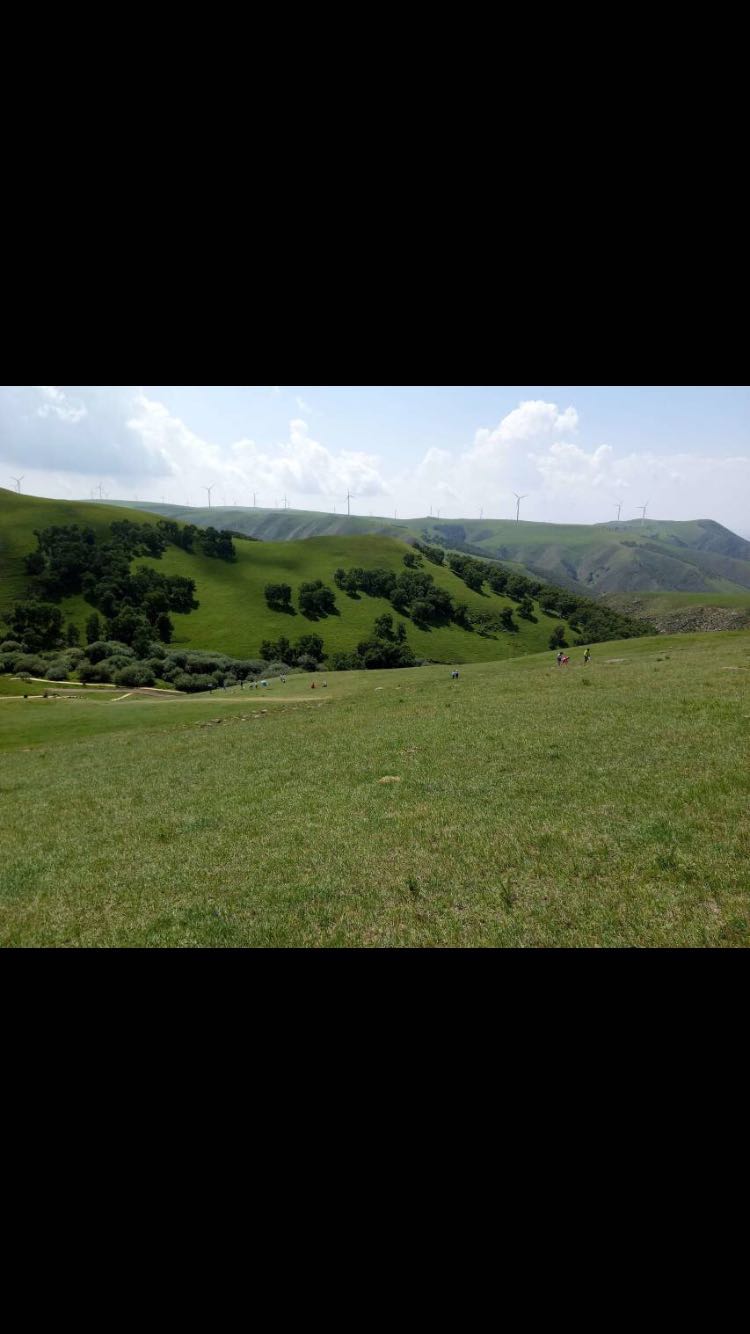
<point>93,629</point>
<point>526,609</point>
<point>412,561</point>
<point>557,638</point>
<point>70,561</point>
<point>72,635</point>
<point>93,672</point>
<point>507,622</point>
<point>311,646</point>
<point>56,671</point>
<point>316,600</point>
<point>434,554</point>
<point>279,597</point>
<point>473,572</point>
<point>379,653</point>
<point>127,625</point>
<point>134,674</point>
<point>105,648</point>
<point>28,664</point>
<point>37,625</point>
<point>11,646</point>
<point>384,627</point>
<point>217,544</point>
<point>192,684</point>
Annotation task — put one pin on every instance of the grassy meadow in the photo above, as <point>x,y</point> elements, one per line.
<point>535,806</point>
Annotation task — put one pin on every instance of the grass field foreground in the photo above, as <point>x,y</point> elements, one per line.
<point>525,805</point>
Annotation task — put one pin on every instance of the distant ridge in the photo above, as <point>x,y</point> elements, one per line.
<point>695,556</point>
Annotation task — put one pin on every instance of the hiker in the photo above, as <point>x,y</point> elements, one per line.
<point>312,685</point>
<point>454,676</point>
<point>587,657</point>
<point>565,661</point>
<point>325,685</point>
<point>560,658</point>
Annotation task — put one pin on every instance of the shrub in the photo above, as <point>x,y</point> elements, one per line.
<point>557,638</point>
<point>194,684</point>
<point>57,671</point>
<point>107,648</point>
<point>317,600</point>
<point>93,671</point>
<point>11,646</point>
<point>135,674</point>
<point>28,664</point>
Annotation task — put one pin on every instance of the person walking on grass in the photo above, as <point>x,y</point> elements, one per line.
<point>587,657</point>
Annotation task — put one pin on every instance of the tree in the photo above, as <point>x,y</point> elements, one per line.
<point>384,627</point>
<point>164,628</point>
<point>93,629</point>
<point>557,638</point>
<point>526,609</point>
<point>311,646</point>
<point>38,625</point>
<point>279,597</point>
<point>316,600</point>
<point>73,635</point>
<point>506,620</point>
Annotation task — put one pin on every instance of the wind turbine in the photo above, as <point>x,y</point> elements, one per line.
<point>286,503</point>
<point>643,509</point>
<point>618,504</point>
<point>518,506</point>
<point>209,489</point>
<point>349,499</point>
<point>18,481</point>
<point>254,504</point>
<point>100,490</point>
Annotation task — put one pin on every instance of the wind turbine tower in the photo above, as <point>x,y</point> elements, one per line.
<point>619,507</point>
<point>518,506</point>
<point>643,509</point>
<point>18,481</point>
<point>208,490</point>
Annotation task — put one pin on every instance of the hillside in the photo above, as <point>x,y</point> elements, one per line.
<point>233,616</point>
<point>598,559</point>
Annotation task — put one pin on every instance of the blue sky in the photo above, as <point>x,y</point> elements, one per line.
<point>572,450</point>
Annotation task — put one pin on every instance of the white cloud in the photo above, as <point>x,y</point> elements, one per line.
<point>57,404</point>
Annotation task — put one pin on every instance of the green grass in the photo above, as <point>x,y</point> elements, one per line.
<point>601,806</point>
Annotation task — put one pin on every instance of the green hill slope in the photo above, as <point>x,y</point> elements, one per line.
<point>658,556</point>
<point>234,618</point>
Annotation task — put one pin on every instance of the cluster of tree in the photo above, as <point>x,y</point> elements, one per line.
<point>414,593</point>
<point>70,560</point>
<point>307,653</point>
<point>591,621</point>
<point>214,542</point>
<point>434,554</point>
<point>279,597</point>
<point>473,572</point>
<point>386,647</point>
<point>315,600</point>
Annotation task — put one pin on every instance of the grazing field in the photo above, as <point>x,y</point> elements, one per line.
<point>523,805</point>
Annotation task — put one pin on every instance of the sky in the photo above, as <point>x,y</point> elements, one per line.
<point>573,452</point>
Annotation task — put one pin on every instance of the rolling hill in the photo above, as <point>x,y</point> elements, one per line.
<point>234,618</point>
<point>596,560</point>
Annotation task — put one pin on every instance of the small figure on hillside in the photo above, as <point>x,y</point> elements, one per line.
<point>264,683</point>
<point>560,658</point>
<point>283,680</point>
<point>312,685</point>
<point>587,657</point>
<point>565,660</point>
<point>325,685</point>
<point>454,675</point>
